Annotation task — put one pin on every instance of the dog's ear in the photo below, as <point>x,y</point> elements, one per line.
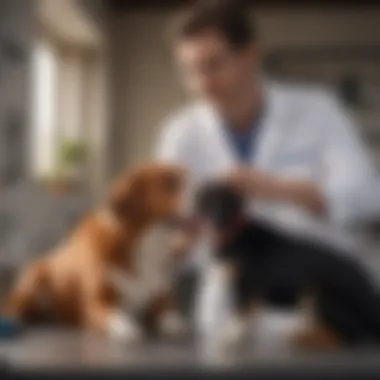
<point>127,196</point>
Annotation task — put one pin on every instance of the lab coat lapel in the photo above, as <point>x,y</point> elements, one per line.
<point>217,138</point>
<point>269,138</point>
<point>271,129</point>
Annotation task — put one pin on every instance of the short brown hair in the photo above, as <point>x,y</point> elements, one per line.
<point>231,18</point>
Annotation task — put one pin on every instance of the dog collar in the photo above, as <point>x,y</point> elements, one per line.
<point>226,236</point>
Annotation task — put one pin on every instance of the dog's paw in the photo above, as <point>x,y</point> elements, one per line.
<point>123,329</point>
<point>216,358</point>
<point>317,338</point>
<point>213,353</point>
<point>233,334</point>
<point>173,325</point>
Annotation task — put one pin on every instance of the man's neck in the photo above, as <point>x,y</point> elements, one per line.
<point>245,109</point>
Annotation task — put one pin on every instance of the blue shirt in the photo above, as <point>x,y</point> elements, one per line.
<point>244,142</point>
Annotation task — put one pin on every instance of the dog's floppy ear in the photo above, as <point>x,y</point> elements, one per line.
<point>127,196</point>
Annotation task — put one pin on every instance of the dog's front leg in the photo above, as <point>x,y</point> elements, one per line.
<point>314,334</point>
<point>123,328</point>
<point>134,292</point>
<point>214,313</point>
<point>236,328</point>
<point>103,311</point>
<point>115,322</point>
<point>167,317</point>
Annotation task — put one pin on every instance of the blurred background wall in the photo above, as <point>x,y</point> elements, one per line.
<point>17,28</point>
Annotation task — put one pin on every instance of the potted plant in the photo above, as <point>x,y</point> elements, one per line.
<point>71,154</point>
<point>70,157</point>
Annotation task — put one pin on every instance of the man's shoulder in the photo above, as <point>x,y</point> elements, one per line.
<point>185,120</point>
<point>307,109</point>
<point>185,115</point>
<point>302,95</point>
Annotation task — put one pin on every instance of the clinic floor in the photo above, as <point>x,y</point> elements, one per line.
<point>60,349</point>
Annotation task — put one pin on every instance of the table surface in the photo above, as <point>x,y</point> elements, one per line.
<point>52,349</point>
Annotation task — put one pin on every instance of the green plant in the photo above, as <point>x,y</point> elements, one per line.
<point>71,153</point>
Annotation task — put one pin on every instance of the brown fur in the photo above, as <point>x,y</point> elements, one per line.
<point>73,278</point>
<point>318,337</point>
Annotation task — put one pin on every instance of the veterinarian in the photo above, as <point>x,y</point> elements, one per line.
<point>295,149</point>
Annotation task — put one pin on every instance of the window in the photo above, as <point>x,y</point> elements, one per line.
<point>44,110</point>
<point>69,92</point>
<point>59,104</point>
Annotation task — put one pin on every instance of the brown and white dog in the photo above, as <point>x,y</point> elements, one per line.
<point>81,281</point>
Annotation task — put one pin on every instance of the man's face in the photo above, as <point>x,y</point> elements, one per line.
<point>213,70</point>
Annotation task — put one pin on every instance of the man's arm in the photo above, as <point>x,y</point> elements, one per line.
<point>307,194</point>
<point>263,186</point>
<point>348,177</point>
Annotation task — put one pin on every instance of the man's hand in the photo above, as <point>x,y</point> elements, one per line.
<point>253,182</point>
<point>260,185</point>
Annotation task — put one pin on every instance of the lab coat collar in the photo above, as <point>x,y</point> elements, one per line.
<point>268,137</point>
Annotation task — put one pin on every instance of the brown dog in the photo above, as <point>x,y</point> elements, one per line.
<point>75,283</point>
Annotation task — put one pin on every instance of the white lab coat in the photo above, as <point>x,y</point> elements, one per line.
<point>305,134</point>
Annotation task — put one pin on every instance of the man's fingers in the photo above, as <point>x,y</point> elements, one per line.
<point>241,179</point>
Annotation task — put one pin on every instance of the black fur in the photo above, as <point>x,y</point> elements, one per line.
<point>280,269</point>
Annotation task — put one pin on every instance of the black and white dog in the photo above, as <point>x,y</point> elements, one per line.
<point>264,265</point>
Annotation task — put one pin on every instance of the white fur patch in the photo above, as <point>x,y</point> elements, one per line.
<point>130,287</point>
<point>235,330</point>
<point>214,300</point>
<point>123,328</point>
<point>151,274</point>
